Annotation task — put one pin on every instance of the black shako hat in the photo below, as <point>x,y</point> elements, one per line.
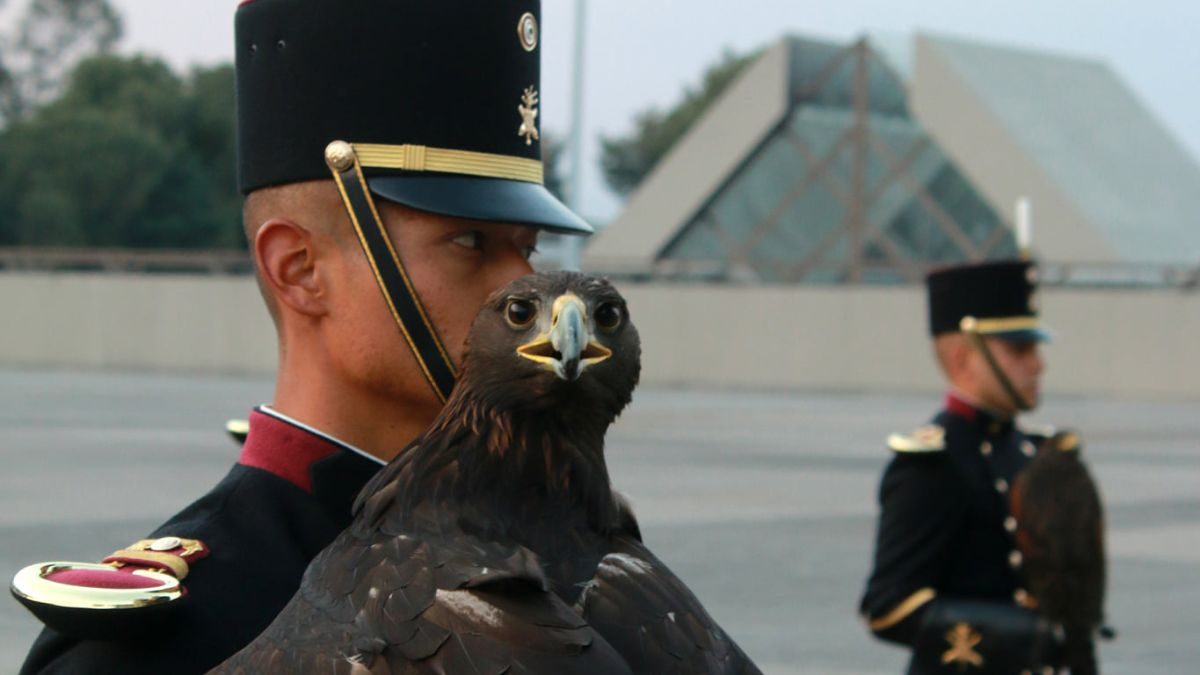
<point>439,99</point>
<point>992,298</point>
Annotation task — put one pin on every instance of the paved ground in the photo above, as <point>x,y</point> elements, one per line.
<point>762,502</point>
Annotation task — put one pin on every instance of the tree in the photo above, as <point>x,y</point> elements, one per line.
<point>552,154</point>
<point>52,37</point>
<point>130,155</point>
<point>626,160</point>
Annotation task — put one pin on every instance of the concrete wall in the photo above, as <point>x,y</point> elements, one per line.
<point>155,322</point>
<point>1108,342</point>
<point>1120,343</point>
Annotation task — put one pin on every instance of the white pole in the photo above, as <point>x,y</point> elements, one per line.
<point>573,245</point>
<point>1024,227</point>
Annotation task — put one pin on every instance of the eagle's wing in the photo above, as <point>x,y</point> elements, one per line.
<point>393,602</point>
<point>653,619</point>
<point>1061,536</point>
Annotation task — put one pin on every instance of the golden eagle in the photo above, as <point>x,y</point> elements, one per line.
<point>1060,531</point>
<point>494,543</point>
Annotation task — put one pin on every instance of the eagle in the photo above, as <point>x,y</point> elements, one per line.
<point>1060,533</point>
<point>494,542</point>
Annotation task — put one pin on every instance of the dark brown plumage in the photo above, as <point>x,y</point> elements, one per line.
<point>1060,531</point>
<point>494,542</point>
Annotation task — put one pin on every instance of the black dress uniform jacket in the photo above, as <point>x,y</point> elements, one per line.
<point>288,496</point>
<point>945,528</point>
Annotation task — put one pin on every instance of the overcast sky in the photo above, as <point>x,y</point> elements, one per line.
<point>642,53</point>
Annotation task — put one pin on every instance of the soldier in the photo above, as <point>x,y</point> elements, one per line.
<point>390,160</point>
<point>947,579</point>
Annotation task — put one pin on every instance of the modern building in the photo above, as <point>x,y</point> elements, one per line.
<point>871,162</point>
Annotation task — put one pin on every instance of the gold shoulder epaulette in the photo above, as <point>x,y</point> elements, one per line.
<point>929,438</point>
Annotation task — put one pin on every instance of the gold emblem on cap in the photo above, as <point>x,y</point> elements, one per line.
<point>1031,274</point>
<point>339,155</point>
<point>527,31</point>
<point>529,113</point>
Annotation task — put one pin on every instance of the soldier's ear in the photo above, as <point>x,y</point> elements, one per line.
<point>958,357</point>
<point>286,256</point>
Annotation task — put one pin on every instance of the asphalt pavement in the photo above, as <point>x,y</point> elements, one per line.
<point>763,502</point>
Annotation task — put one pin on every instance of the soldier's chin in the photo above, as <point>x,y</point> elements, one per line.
<point>1033,397</point>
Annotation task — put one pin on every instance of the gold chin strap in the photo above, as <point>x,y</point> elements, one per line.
<point>393,280</point>
<point>970,326</point>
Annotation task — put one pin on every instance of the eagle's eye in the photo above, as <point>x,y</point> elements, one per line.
<point>608,315</point>
<point>520,312</point>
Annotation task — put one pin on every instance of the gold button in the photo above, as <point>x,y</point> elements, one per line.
<point>527,31</point>
<point>986,448</point>
<point>166,544</point>
<point>1028,449</point>
<point>1001,485</point>
<point>1010,524</point>
<point>1021,597</point>
<point>1014,559</point>
<point>339,155</point>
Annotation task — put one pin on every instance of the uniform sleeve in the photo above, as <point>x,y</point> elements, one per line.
<point>56,654</point>
<point>921,508</point>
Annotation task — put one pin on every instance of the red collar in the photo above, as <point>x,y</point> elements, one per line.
<point>959,406</point>
<point>283,449</point>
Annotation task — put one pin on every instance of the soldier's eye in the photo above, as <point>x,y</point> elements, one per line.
<point>608,315</point>
<point>520,312</point>
<point>472,240</point>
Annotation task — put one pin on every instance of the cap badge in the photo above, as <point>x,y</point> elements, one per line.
<point>1031,275</point>
<point>527,31</point>
<point>529,113</point>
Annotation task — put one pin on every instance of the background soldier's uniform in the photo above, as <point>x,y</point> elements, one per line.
<point>947,575</point>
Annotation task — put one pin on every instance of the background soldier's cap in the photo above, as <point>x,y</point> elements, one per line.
<point>993,298</point>
<point>439,100</point>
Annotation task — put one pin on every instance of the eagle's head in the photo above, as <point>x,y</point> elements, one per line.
<point>553,339</point>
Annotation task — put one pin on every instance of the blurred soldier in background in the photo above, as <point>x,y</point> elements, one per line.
<point>390,158</point>
<point>948,578</point>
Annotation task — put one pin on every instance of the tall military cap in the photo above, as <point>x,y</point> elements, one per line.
<point>996,298</point>
<point>439,99</point>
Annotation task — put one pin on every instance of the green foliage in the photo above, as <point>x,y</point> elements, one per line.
<point>131,155</point>
<point>552,154</point>
<point>626,160</point>
<point>52,36</point>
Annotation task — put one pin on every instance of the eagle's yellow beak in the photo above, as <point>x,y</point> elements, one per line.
<point>567,347</point>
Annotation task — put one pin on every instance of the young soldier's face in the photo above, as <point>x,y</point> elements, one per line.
<point>454,264</point>
<point>1021,362</point>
